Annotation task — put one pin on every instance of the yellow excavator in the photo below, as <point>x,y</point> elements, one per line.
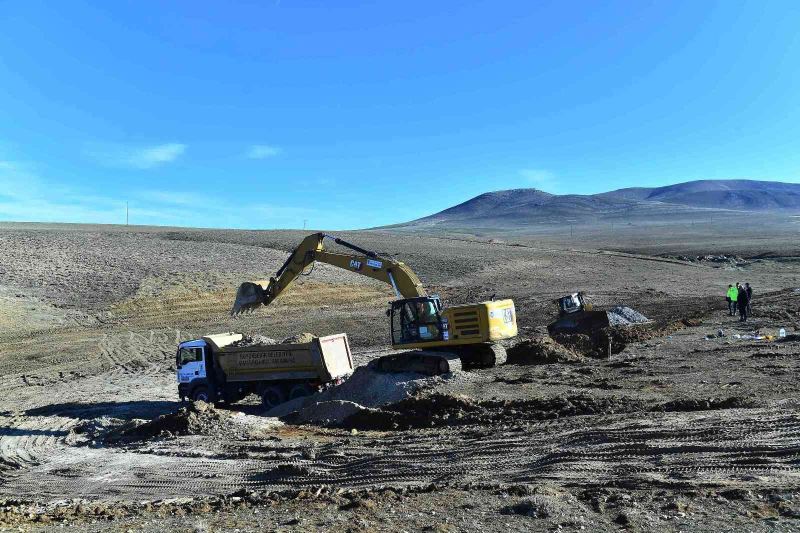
<point>437,340</point>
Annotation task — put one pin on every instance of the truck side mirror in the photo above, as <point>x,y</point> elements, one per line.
<point>388,312</point>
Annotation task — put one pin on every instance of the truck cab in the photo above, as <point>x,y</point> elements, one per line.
<point>191,363</point>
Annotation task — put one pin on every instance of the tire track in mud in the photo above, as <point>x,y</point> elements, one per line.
<point>132,353</point>
<point>25,440</point>
<point>752,447</point>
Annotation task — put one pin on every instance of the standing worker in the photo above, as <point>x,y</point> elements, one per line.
<point>730,297</point>
<point>741,303</point>
<point>749,299</point>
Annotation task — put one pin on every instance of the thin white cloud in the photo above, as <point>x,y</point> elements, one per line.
<point>157,155</point>
<point>27,197</point>
<point>143,157</point>
<point>24,196</point>
<point>263,151</point>
<point>540,179</point>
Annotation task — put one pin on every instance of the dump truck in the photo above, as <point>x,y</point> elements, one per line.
<point>220,367</point>
<point>435,339</point>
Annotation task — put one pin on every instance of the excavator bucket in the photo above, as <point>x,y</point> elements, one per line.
<point>249,296</point>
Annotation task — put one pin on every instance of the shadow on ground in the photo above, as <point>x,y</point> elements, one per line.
<point>90,410</point>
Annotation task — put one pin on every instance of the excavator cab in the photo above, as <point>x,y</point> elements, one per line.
<point>416,320</point>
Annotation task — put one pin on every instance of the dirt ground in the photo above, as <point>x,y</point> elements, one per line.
<point>681,430</point>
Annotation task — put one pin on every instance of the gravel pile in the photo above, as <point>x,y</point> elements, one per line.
<point>261,340</point>
<point>254,340</point>
<point>300,338</point>
<point>625,316</point>
<point>364,389</point>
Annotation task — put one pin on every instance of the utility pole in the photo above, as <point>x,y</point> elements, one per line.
<point>304,223</point>
<point>126,213</point>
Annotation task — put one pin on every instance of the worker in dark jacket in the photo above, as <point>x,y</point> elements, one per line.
<point>749,290</point>
<point>741,303</point>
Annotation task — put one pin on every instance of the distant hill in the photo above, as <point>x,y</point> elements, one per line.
<point>747,195</point>
<point>525,207</point>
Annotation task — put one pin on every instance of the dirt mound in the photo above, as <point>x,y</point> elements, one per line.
<point>198,418</point>
<point>707,404</point>
<point>254,340</point>
<point>585,345</point>
<point>300,338</point>
<point>365,389</point>
<point>441,410</point>
<point>542,350</point>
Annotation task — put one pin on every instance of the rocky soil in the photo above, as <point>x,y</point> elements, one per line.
<point>692,422</point>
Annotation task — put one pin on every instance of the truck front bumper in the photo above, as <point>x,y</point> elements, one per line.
<point>183,390</point>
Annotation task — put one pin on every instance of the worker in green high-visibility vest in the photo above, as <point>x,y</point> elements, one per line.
<point>731,297</point>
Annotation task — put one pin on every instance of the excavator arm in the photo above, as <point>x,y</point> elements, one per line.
<point>405,283</point>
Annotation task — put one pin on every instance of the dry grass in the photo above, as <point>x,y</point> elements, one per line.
<point>181,303</point>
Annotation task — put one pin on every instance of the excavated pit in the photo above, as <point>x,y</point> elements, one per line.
<point>617,337</point>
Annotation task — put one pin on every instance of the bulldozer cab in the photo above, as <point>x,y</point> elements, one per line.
<point>575,315</point>
<point>416,320</point>
<point>572,303</point>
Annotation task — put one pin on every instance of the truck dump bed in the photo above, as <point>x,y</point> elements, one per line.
<point>324,359</point>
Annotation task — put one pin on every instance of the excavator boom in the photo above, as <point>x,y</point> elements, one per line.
<point>399,276</point>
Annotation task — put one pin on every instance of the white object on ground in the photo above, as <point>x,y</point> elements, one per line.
<point>625,316</point>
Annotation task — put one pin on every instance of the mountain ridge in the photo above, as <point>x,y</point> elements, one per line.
<point>687,199</point>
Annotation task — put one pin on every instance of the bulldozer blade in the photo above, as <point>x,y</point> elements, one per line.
<point>585,322</point>
<point>248,297</point>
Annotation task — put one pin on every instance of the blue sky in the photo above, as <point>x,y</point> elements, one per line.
<point>266,114</point>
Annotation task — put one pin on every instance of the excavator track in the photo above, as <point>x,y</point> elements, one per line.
<point>430,362</point>
<point>482,355</point>
<point>434,362</point>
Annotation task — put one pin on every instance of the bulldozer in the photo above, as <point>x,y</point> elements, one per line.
<point>435,339</point>
<point>576,315</point>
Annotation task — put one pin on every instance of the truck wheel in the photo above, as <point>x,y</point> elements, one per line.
<point>300,390</point>
<point>200,394</point>
<point>272,396</point>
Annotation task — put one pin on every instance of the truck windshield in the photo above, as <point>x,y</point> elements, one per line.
<point>189,355</point>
